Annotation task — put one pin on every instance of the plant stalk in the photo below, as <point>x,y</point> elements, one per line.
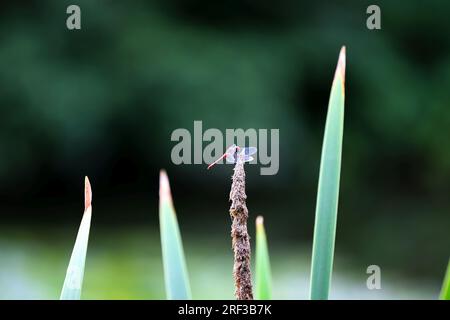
<point>239,234</point>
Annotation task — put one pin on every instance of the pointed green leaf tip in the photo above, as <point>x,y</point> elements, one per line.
<point>175,270</point>
<point>75,272</point>
<point>263,283</point>
<point>445,291</point>
<point>328,189</point>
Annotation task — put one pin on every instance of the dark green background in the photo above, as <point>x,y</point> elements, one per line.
<point>104,100</point>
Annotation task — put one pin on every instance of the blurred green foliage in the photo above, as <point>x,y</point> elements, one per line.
<point>126,264</point>
<point>103,101</point>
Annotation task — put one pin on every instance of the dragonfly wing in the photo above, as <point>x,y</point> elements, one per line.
<point>248,151</point>
<point>248,158</point>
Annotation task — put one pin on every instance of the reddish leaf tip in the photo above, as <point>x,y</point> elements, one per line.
<point>341,63</point>
<point>164,186</point>
<point>87,193</point>
<point>259,221</point>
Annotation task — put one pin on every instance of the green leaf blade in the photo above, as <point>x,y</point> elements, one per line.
<point>75,272</point>
<point>175,269</point>
<point>263,283</point>
<point>445,291</point>
<point>328,189</point>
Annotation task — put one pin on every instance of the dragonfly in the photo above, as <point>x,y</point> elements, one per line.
<point>236,153</point>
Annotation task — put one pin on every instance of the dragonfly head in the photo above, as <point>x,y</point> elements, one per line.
<point>231,150</point>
